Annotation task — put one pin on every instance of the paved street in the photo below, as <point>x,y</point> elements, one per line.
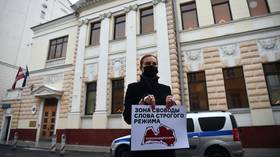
<point>6,151</point>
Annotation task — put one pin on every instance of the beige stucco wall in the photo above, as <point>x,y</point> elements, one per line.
<point>175,82</point>
<point>239,26</point>
<point>22,113</point>
<point>16,36</point>
<point>251,60</point>
<point>42,38</point>
<point>56,76</point>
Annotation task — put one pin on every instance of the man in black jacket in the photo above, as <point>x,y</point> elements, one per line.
<point>148,92</point>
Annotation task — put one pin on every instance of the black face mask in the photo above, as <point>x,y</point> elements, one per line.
<point>150,71</point>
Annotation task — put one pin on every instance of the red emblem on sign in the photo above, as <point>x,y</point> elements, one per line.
<point>163,135</point>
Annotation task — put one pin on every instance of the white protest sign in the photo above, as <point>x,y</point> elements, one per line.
<point>159,128</point>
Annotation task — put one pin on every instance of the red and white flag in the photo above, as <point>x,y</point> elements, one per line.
<point>20,75</point>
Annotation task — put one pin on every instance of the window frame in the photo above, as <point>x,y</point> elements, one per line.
<point>190,10</point>
<point>112,94</point>
<point>120,22</point>
<point>210,121</point>
<point>221,3</point>
<point>198,82</point>
<point>62,54</point>
<point>267,7</point>
<point>244,87</point>
<point>151,14</point>
<point>94,104</point>
<point>91,32</point>
<point>190,125</point>
<point>265,74</point>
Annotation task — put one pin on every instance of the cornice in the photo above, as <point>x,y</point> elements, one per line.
<point>55,21</point>
<point>155,2</point>
<point>131,8</point>
<point>51,69</point>
<point>8,65</point>
<point>83,4</point>
<point>105,15</point>
<point>228,36</point>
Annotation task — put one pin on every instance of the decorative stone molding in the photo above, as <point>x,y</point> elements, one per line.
<point>85,3</point>
<point>269,44</point>
<point>228,50</point>
<point>13,94</point>
<point>155,2</point>
<point>229,54</point>
<point>83,22</point>
<point>91,72</point>
<point>102,16</point>
<point>105,15</point>
<point>193,55</point>
<point>117,67</point>
<point>131,8</point>
<point>193,59</point>
<point>46,91</point>
<point>53,78</point>
<point>269,49</point>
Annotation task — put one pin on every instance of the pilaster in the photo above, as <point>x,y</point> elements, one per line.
<point>74,115</point>
<point>131,57</point>
<point>214,78</point>
<point>162,42</point>
<point>100,115</point>
<point>255,83</point>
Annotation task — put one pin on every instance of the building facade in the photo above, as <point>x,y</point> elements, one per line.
<point>215,55</point>
<point>16,36</point>
<point>17,17</point>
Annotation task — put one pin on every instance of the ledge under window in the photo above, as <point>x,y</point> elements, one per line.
<point>55,62</point>
<point>275,108</point>
<point>239,110</point>
<point>116,40</point>
<point>86,116</point>
<point>143,34</point>
<point>117,115</point>
<point>94,45</point>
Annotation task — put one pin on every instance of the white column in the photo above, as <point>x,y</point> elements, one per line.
<point>162,42</point>
<point>39,122</point>
<point>274,5</point>
<point>57,119</point>
<point>204,12</point>
<point>74,115</point>
<point>239,9</point>
<point>100,114</point>
<point>131,57</point>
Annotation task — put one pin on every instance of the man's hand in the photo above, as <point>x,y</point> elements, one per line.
<point>170,101</point>
<point>150,100</point>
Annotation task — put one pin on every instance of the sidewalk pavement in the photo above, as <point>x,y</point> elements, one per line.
<point>47,145</point>
<point>262,152</point>
<point>249,152</point>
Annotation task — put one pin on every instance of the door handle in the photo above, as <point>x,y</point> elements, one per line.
<point>195,137</point>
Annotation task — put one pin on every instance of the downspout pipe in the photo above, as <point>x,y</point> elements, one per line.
<point>179,54</point>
